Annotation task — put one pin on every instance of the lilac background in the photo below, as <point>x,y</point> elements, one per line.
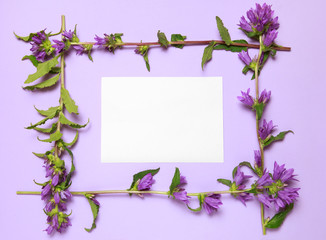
<point>295,80</point>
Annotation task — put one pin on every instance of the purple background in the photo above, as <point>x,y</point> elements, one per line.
<point>295,79</point>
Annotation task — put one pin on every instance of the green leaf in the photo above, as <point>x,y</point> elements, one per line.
<point>68,101</point>
<point>225,182</point>
<point>50,112</point>
<point>88,48</point>
<point>40,155</point>
<point>53,137</point>
<point>55,70</point>
<point>207,56</point>
<point>231,47</point>
<point>177,38</point>
<point>279,218</point>
<point>67,182</point>
<point>224,32</point>
<point>279,137</point>
<point>95,209</point>
<point>47,83</point>
<point>43,120</point>
<point>42,69</point>
<point>40,184</point>
<point>146,61</point>
<point>245,69</point>
<point>246,164</point>
<point>175,181</point>
<point>200,199</point>
<point>47,130</point>
<point>259,107</point>
<point>73,141</point>
<point>142,174</point>
<point>27,38</point>
<point>32,58</point>
<point>65,121</point>
<point>162,39</point>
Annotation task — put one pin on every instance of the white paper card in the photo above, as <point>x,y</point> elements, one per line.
<point>162,119</point>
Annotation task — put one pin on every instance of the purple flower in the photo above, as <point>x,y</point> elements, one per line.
<point>68,35</point>
<point>285,197</point>
<point>244,56</point>
<point>264,96</point>
<point>62,206</point>
<point>49,206</point>
<point>46,191</point>
<point>100,41</point>
<point>41,46</point>
<point>65,224</point>
<point>55,180</point>
<point>257,158</point>
<point>65,194</point>
<point>95,201</point>
<point>56,198</point>
<point>79,49</point>
<point>212,202</point>
<point>280,173</point>
<point>264,180</point>
<point>246,98</point>
<point>266,129</point>
<point>146,182</point>
<point>239,184</point>
<point>59,46</point>
<point>182,196</point>
<point>260,19</point>
<point>265,199</point>
<point>269,38</point>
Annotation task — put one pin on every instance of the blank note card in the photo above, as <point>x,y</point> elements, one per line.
<point>161,119</point>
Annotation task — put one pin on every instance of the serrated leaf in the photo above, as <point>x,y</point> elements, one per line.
<point>27,38</point>
<point>225,182</point>
<point>47,83</point>
<point>279,218</point>
<point>55,70</point>
<point>162,39</point>
<point>207,56</point>
<point>145,56</point>
<point>65,121</point>
<point>73,141</point>
<point>32,58</point>
<point>177,38</point>
<point>175,181</point>
<point>47,130</point>
<point>231,47</point>
<point>279,137</point>
<point>42,69</point>
<point>95,209</point>
<point>224,32</point>
<point>142,174</point>
<point>259,107</point>
<point>53,137</point>
<point>245,69</point>
<point>47,113</point>
<point>43,120</point>
<point>68,101</point>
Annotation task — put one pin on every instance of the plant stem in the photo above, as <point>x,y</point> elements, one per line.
<point>133,192</point>
<point>204,42</point>
<point>261,148</point>
<point>62,82</point>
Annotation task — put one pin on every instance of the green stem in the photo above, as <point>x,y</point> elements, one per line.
<point>62,82</point>
<point>205,42</point>
<point>261,148</point>
<point>133,192</point>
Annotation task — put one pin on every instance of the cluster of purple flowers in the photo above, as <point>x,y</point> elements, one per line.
<point>247,99</point>
<point>56,194</point>
<point>274,189</point>
<point>41,45</point>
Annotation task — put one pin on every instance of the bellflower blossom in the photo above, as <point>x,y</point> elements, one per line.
<point>269,37</point>
<point>244,56</point>
<point>180,193</point>
<point>257,158</point>
<point>239,184</point>
<point>260,20</point>
<point>266,129</point>
<point>264,96</point>
<point>212,203</point>
<point>146,182</point>
<point>246,98</point>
